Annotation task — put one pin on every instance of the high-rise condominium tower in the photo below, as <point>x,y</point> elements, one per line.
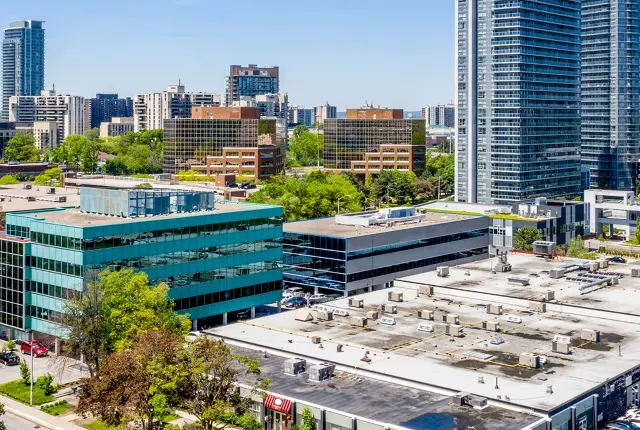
<point>250,81</point>
<point>22,61</point>
<point>611,92</point>
<point>517,97</point>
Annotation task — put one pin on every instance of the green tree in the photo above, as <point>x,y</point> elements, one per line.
<point>22,147</point>
<point>48,176</point>
<point>440,169</point>
<point>92,134</point>
<point>45,383</point>
<point>393,186</point>
<point>308,420</point>
<point>637,232</point>
<point>299,131</point>
<point>305,150</point>
<point>524,238</point>
<point>577,249</point>
<point>9,180</point>
<point>2,425</point>
<point>11,345</point>
<point>115,167</point>
<point>25,374</point>
<point>141,152</point>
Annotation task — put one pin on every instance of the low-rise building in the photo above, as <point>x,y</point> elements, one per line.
<point>617,209</point>
<point>366,251</point>
<point>116,127</point>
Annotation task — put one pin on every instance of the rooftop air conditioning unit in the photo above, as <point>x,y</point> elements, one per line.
<point>425,314</point>
<point>561,347</point>
<point>453,330</point>
<point>593,266</point>
<point>395,297</point>
<point>518,281</point>
<point>294,366</point>
<point>635,272</point>
<point>389,309</point>
<point>459,399</point>
<point>603,263</point>
<point>494,309</point>
<point>372,315</point>
<point>359,321</point>
<point>590,334</point>
<point>548,296</point>
<point>538,307</point>
<point>427,290</point>
<point>530,360</point>
<point>324,315</point>
<point>321,372</point>
<point>443,271</point>
<point>451,318</point>
<point>491,325</point>
<point>556,273</point>
<point>356,303</point>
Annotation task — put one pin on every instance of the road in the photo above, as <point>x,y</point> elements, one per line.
<point>13,422</point>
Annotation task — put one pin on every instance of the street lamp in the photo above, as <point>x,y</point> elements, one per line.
<point>30,332</point>
<point>340,198</point>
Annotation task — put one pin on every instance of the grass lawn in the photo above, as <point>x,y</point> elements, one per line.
<point>58,409</point>
<point>169,417</point>
<point>19,391</point>
<point>99,425</point>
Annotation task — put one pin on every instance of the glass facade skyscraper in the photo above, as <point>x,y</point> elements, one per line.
<point>611,92</point>
<point>518,99</point>
<point>22,61</point>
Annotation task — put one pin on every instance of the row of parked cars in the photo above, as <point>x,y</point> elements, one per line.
<point>295,297</point>
<point>31,347</point>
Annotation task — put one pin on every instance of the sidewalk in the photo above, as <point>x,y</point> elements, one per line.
<point>36,416</point>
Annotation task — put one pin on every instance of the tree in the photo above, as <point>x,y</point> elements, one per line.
<point>45,383</point>
<point>139,383</point>
<point>306,149</point>
<point>576,249</point>
<point>299,131</point>
<point>141,152</point>
<point>9,180</point>
<point>115,167</point>
<point>2,425</point>
<point>48,176</point>
<point>22,147</point>
<point>637,233</point>
<point>92,134</point>
<point>525,237</point>
<point>113,309</point>
<point>394,186</point>
<point>215,400</point>
<point>77,150</point>
<point>308,420</point>
<point>25,374</point>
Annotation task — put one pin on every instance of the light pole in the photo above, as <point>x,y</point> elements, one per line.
<point>31,376</point>
<point>340,198</point>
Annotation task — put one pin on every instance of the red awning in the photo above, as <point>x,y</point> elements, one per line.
<point>278,404</point>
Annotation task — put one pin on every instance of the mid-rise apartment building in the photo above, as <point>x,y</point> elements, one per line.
<point>151,109</point>
<point>250,81</point>
<point>22,61</point>
<point>370,140</point>
<point>610,92</point>
<point>222,140</point>
<point>439,116</point>
<point>518,99</point>
<point>116,127</point>
<point>298,115</point>
<point>65,110</point>
<point>324,112</point>
<point>104,107</point>
<point>216,258</point>
<point>45,134</point>
<point>269,105</point>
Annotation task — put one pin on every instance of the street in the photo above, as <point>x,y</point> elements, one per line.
<point>13,422</point>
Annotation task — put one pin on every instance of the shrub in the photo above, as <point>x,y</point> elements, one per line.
<point>45,383</point>
<point>9,180</point>
<point>144,185</point>
<point>11,345</point>
<point>25,375</point>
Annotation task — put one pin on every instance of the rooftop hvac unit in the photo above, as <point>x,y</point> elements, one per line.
<point>530,360</point>
<point>593,266</point>
<point>538,307</point>
<point>50,190</point>
<point>60,199</point>
<point>319,308</point>
<point>321,372</point>
<point>340,313</point>
<point>614,280</point>
<point>491,325</point>
<point>453,330</point>
<point>518,281</point>
<point>494,309</point>
<point>556,273</point>
<point>316,339</point>
<point>459,399</point>
<point>31,199</point>
<point>561,347</point>
<point>590,334</point>
<point>388,321</point>
<point>541,247</point>
<point>356,303</point>
<point>451,318</point>
<point>389,309</point>
<point>443,271</point>
<point>561,338</point>
<point>427,290</point>
<point>395,297</point>
<point>635,272</point>
<point>294,366</point>
<point>324,315</point>
<point>603,263</point>
<point>477,401</point>
<point>425,314</point>
<point>497,340</point>
<point>359,321</point>
<point>372,315</point>
<point>548,296</point>
<point>425,327</point>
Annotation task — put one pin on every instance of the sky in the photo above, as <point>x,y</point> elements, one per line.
<point>397,54</point>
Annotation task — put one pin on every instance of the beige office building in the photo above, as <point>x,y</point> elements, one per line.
<point>116,127</point>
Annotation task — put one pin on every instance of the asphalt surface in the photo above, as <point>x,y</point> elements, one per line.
<point>13,422</point>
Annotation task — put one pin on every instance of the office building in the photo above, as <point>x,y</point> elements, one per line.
<point>116,127</point>
<point>65,110</point>
<point>223,140</point>
<point>366,251</point>
<point>439,116</point>
<point>324,112</point>
<point>22,61</point>
<point>104,107</point>
<point>610,92</point>
<point>251,81</point>
<point>216,258</point>
<point>371,140</point>
<point>150,110</point>
<point>518,100</point>
<point>298,115</point>
<point>613,209</point>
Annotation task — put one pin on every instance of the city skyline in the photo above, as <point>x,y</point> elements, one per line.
<point>340,61</point>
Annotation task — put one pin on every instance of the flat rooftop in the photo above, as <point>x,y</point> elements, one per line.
<point>436,362</point>
<point>15,197</point>
<point>75,217</point>
<point>328,226</point>
<point>381,401</point>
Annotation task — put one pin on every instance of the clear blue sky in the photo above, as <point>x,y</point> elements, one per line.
<point>394,53</point>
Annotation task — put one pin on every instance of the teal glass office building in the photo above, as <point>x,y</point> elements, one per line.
<point>217,258</point>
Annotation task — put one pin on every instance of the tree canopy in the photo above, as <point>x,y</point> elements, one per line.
<point>21,147</point>
<point>394,186</point>
<point>315,197</point>
<point>48,176</point>
<point>77,150</point>
<point>525,237</point>
<point>305,148</point>
<point>136,152</point>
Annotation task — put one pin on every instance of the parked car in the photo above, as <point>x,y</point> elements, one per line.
<point>193,335</point>
<point>261,311</point>
<point>622,425</point>
<point>9,358</point>
<point>316,298</point>
<point>617,259</point>
<point>34,347</point>
<point>292,290</point>
<point>295,302</point>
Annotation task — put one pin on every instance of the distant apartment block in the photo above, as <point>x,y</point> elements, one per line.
<point>324,112</point>
<point>65,110</point>
<point>298,115</point>
<point>104,107</point>
<point>152,109</point>
<point>45,134</point>
<point>269,105</point>
<point>22,61</point>
<point>251,81</point>
<point>116,127</point>
<point>223,140</point>
<point>370,140</point>
<point>439,116</point>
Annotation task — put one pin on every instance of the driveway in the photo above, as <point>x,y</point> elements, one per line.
<point>63,369</point>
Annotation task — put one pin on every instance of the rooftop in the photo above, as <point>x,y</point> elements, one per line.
<point>434,361</point>
<point>329,226</point>
<point>15,198</point>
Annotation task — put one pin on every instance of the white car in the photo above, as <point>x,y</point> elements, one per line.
<point>292,290</point>
<point>193,335</point>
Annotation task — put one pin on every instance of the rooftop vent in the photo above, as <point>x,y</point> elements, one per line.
<point>321,372</point>
<point>425,327</point>
<point>294,366</point>
<point>427,290</point>
<point>395,297</point>
<point>388,321</point>
<point>372,315</point>
<point>491,325</point>
<point>518,281</point>
<point>425,314</point>
<point>359,321</point>
<point>590,335</point>
<point>389,309</point>
<point>303,315</point>
<point>356,303</point>
<point>494,309</point>
<point>443,271</point>
<point>530,360</point>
